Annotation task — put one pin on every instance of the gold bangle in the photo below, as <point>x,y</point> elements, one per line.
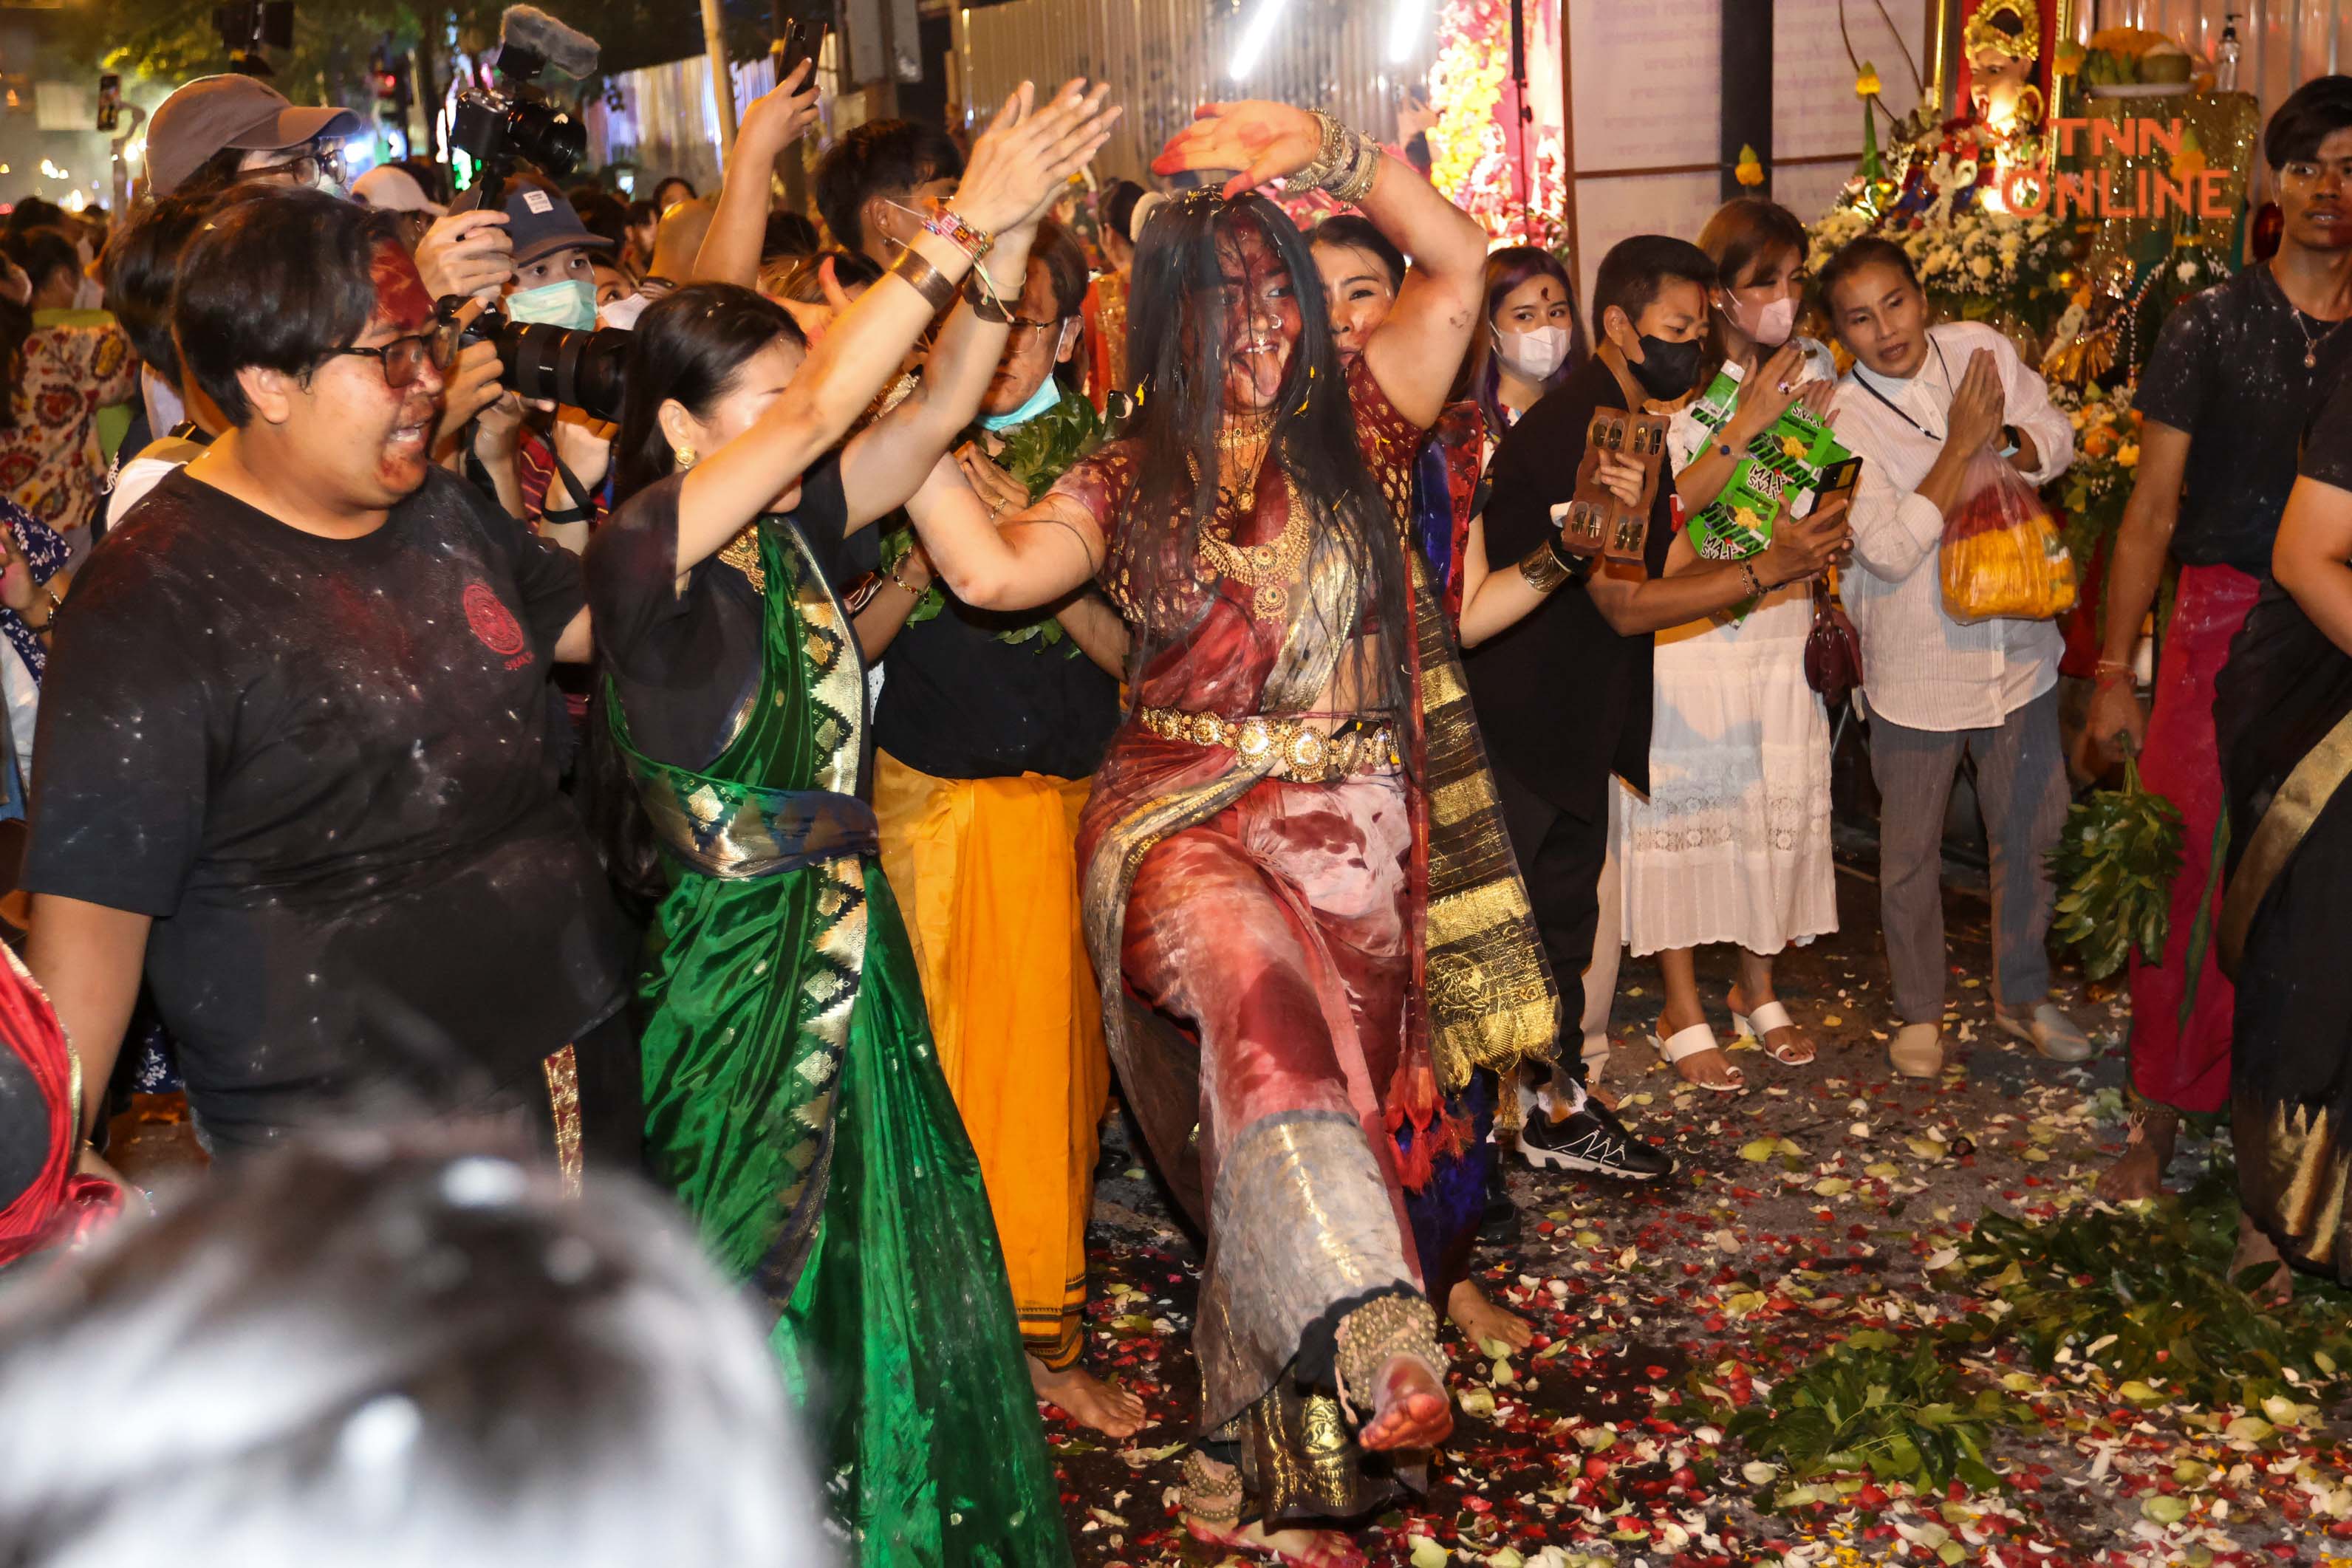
<point>1356,183</point>
<point>1542,568</point>
<point>915,269</point>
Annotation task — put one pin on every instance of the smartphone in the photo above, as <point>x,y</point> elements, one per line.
<point>801,41</point>
<point>110,102</point>
<point>1838,481</point>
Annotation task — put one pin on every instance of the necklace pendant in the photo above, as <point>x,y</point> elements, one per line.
<point>2310,359</point>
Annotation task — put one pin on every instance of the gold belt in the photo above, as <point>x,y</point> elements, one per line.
<point>1300,752</point>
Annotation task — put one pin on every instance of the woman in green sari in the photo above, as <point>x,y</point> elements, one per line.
<point>793,1099</point>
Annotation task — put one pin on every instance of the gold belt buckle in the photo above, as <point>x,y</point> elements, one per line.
<point>1307,756</point>
<point>1253,738</point>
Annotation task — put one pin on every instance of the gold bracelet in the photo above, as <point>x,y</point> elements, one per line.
<point>1542,568</point>
<point>902,583</point>
<point>915,269</point>
<point>1330,157</point>
<point>1356,183</point>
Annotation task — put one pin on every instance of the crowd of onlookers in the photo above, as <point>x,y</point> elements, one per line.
<point>1661,746</point>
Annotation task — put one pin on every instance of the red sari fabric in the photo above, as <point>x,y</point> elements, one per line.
<point>58,1208</point>
<point>1270,929</point>
<point>1293,977</point>
<point>2177,1061</point>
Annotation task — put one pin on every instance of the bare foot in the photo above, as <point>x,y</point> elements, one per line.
<point>1411,1410</point>
<point>1788,1044</point>
<point>2139,1171</point>
<point>2255,1249</point>
<point>1212,1505</point>
<point>1479,1318</point>
<point>1709,1070</point>
<point>1302,1548</point>
<point>1087,1399</point>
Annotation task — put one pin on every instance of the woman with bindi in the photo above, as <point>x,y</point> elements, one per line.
<point>1291,986</point>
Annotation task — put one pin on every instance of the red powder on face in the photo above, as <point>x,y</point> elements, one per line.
<point>401,300</point>
<point>1252,261</point>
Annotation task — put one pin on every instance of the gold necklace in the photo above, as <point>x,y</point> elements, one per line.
<point>1269,568</point>
<point>1242,430</point>
<point>743,553</point>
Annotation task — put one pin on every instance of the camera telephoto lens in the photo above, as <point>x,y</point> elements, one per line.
<point>556,364</point>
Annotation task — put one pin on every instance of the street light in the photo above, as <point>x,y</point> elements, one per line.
<point>1255,33</point>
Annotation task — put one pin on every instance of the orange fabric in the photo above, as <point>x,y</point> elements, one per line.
<point>985,875</point>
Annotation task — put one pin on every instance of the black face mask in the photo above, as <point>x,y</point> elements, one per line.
<point>1667,370</point>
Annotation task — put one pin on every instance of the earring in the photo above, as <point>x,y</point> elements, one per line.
<point>683,457</point>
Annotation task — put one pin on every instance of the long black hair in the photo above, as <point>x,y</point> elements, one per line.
<point>689,347</point>
<point>1177,346</point>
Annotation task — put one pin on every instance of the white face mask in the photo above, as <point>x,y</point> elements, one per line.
<point>1768,328</point>
<point>1533,355</point>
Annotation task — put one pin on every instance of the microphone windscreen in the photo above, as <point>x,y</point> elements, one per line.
<point>566,49</point>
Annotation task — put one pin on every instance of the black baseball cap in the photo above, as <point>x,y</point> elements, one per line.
<point>540,221</point>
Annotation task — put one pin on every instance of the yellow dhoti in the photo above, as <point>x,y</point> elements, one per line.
<point>985,875</point>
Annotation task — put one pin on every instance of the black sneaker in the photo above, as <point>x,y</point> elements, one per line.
<point>1591,1139</point>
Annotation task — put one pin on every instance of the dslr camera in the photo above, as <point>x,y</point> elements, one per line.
<point>503,130</point>
<point>499,129</point>
<point>556,364</point>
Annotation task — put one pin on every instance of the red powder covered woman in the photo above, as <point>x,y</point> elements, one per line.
<point>1296,889</point>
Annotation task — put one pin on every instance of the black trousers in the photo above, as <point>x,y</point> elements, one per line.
<point>1561,857</point>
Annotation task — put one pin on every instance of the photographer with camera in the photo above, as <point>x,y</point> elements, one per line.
<point>537,382</point>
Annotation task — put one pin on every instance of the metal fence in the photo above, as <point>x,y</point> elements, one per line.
<point>1165,58</point>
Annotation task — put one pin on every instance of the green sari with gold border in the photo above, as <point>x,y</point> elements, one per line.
<point>795,1105</point>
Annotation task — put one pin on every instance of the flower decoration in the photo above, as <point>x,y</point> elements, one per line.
<point>1471,148</point>
<point>1867,85</point>
<point>1750,170</point>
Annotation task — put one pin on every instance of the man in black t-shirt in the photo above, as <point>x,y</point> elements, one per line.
<point>2236,376</point>
<point>1559,661</point>
<point>295,747</point>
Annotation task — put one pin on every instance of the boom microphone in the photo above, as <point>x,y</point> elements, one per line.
<point>526,30</point>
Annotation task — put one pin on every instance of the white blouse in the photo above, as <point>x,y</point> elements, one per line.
<point>1923,669</point>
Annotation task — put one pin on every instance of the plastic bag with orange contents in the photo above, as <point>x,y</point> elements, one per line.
<point>2003,554</point>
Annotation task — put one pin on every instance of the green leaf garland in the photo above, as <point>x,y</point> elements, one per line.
<point>1035,453</point>
<point>2113,866</point>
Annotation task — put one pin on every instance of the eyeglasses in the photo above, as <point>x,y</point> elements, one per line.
<point>304,169</point>
<point>405,359</point>
<point>1025,332</point>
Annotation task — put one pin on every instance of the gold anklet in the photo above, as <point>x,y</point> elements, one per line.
<point>1377,1332</point>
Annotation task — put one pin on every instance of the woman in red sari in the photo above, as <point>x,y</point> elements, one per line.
<point>1296,889</point>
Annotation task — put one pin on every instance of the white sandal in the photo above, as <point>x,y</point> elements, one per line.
<point>1767,1017</point>
<point>1689,1043</point>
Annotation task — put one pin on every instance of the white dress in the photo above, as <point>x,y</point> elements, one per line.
<point>1733,843</point>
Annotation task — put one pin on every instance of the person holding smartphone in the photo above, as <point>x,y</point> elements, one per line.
<point>1732,841</point>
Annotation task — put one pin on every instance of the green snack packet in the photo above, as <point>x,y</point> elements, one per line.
<point>1780,474</point>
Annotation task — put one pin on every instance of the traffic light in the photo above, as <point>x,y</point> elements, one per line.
<point>388,74</point>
